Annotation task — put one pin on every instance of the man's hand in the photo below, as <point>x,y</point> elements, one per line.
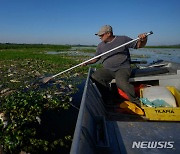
<point>143,37</point>
<point>142,40</point>
<point>85,64</point>
<point>90,62</point>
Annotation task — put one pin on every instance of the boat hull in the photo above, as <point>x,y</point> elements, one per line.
<point>100,131</point>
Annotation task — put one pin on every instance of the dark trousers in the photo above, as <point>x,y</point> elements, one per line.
<point>103,77</point>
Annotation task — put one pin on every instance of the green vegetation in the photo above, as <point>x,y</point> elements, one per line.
<point>22,119</point>
<point>25,101</point>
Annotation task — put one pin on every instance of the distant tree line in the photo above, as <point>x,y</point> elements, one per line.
<point>24,46</point>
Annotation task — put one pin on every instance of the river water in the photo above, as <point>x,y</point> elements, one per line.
<point>154,54</point>
<point>147,54</point>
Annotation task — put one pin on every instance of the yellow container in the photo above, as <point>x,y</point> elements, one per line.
<point>164,113</point>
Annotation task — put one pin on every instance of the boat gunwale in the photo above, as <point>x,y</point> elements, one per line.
<point>77,132</point>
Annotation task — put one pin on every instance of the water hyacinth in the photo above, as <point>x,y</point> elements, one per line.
<point>21,114</point>
<point>25,103</point>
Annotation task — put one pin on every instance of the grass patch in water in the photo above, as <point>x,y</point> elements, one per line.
<point>87,50</point>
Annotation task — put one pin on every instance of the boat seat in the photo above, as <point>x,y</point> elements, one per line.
<point>148,71</point>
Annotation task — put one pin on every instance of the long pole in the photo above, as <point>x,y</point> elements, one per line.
<point>48,78</point>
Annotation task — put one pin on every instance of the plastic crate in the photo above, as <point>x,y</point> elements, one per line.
<point>163,113</point>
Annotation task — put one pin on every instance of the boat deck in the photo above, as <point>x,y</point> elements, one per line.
<point>147,137</point>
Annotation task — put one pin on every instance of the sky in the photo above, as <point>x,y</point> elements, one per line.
<point>76,21</point>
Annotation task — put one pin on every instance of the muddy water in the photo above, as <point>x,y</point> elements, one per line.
<point>63,123</point>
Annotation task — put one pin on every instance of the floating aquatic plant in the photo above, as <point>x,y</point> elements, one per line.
<point>21,121</point>
<point>25,107</point>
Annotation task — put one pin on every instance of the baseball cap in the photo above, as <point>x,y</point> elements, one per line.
<point>104,29</point>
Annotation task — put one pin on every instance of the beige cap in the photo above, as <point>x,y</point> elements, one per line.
<point>104,29</point>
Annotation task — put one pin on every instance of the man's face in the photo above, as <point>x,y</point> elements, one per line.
<point>104,37</point>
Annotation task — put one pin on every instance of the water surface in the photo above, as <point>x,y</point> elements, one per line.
<point>155,54</point>
<point>148,54</point>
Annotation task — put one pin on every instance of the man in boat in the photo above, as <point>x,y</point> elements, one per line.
<point>116,64</point>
